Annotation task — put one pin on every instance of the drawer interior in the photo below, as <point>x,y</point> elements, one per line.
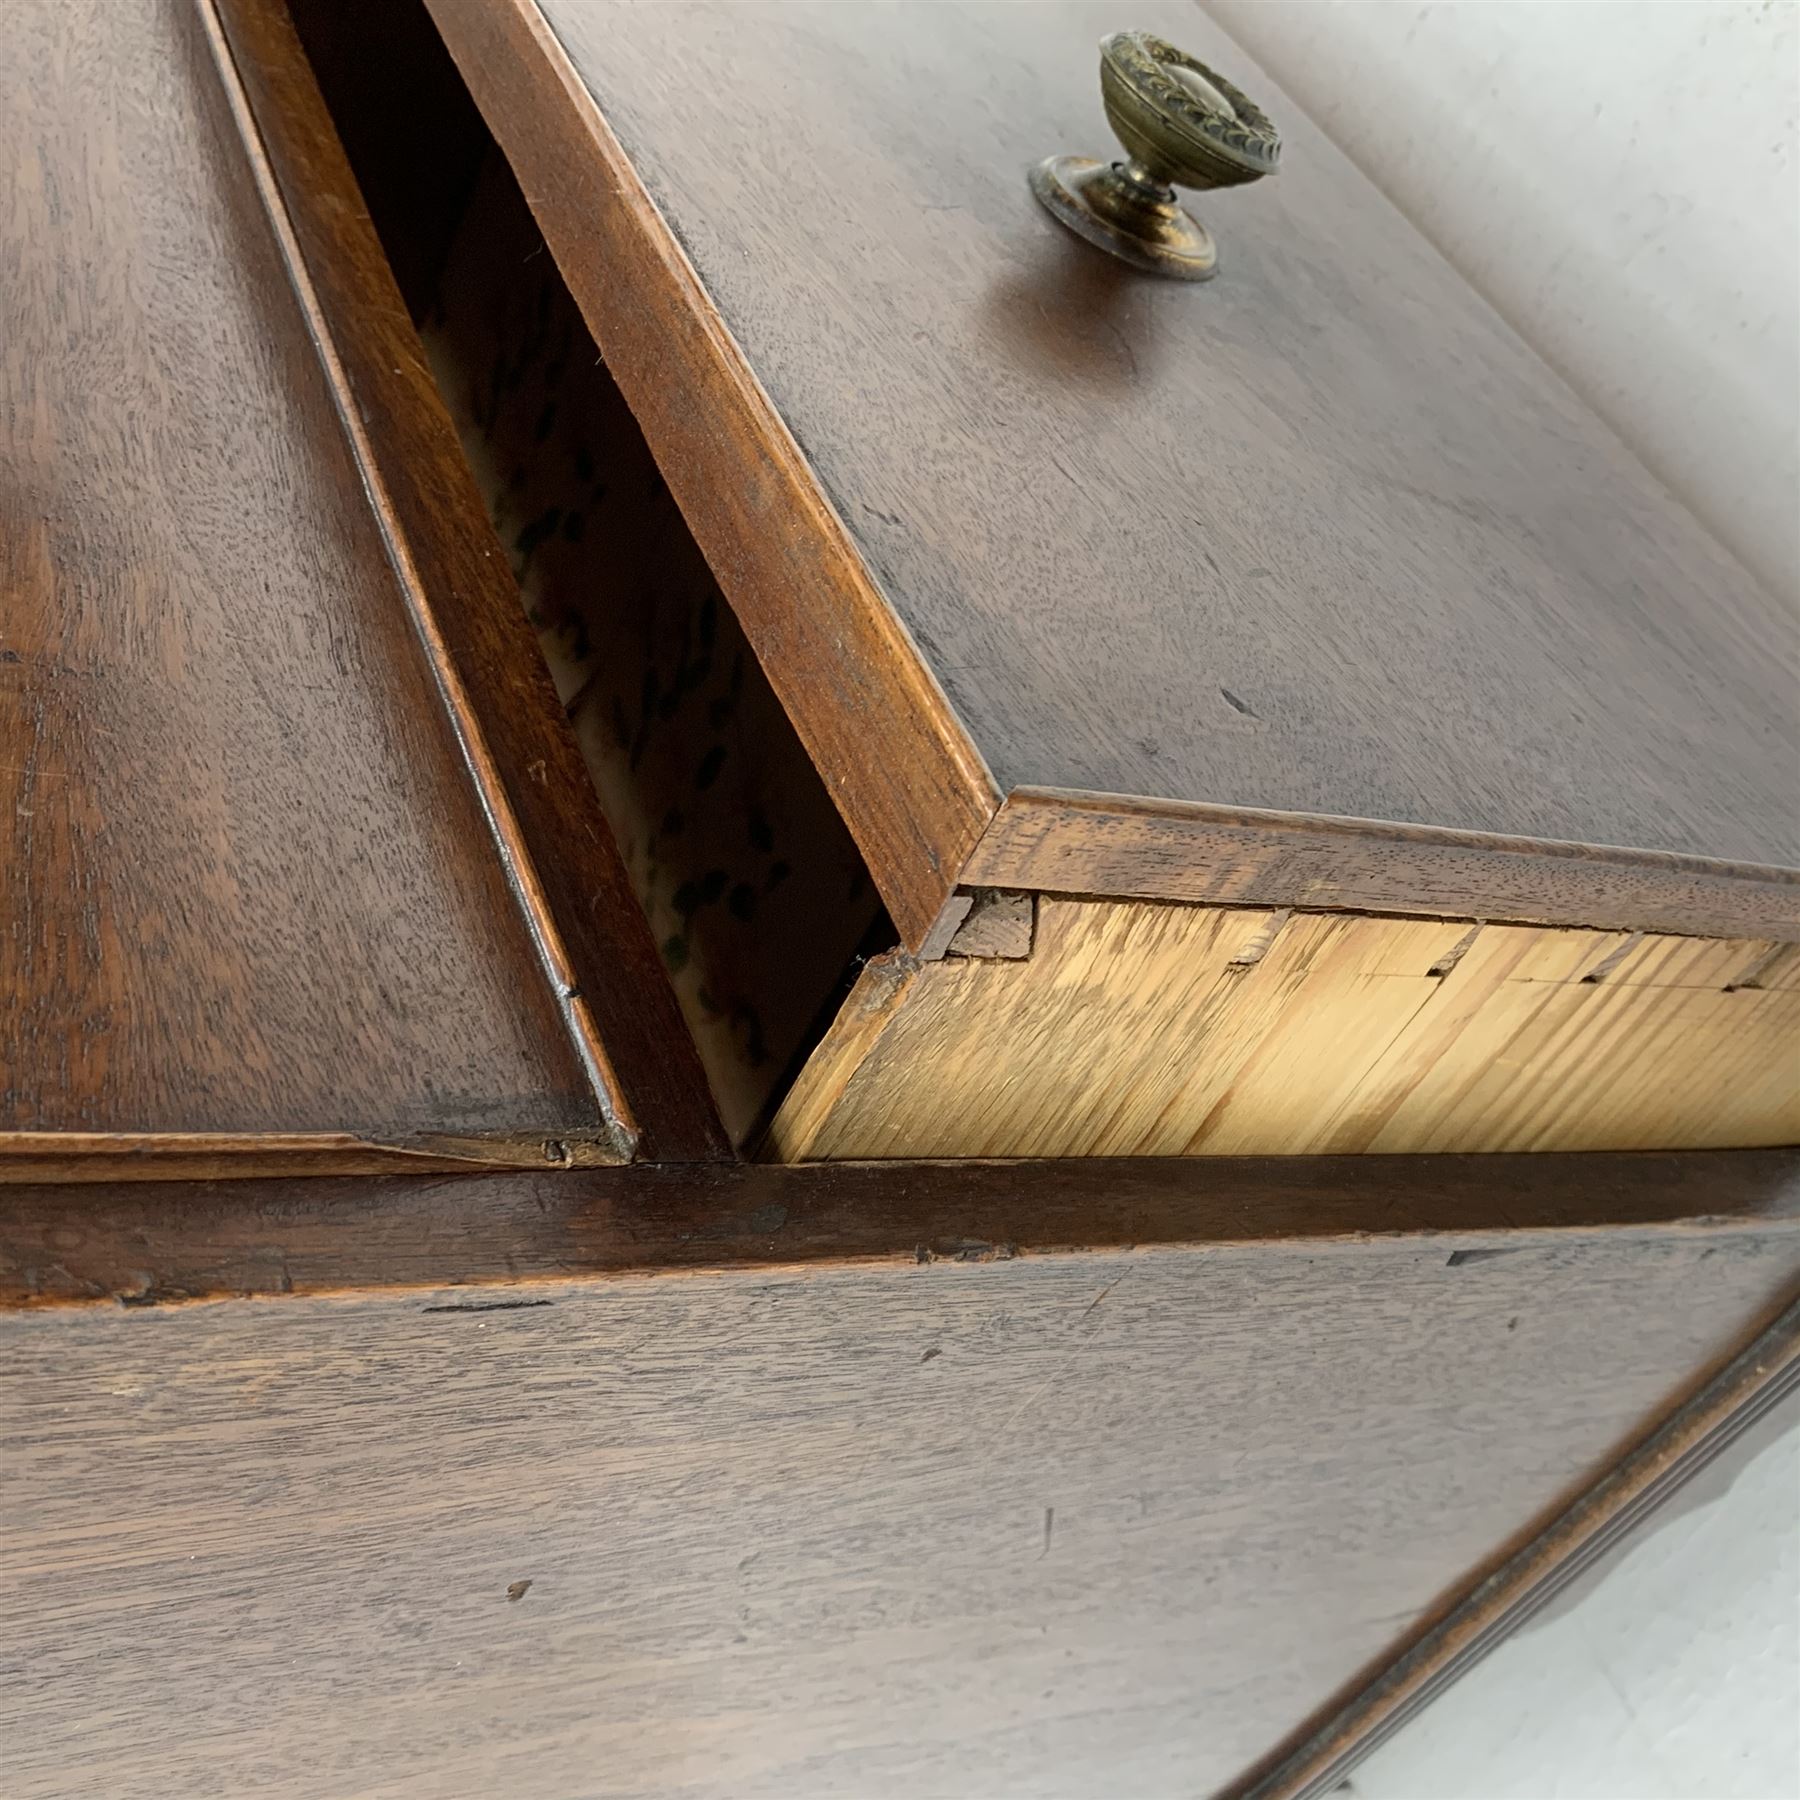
<point>1050,1023</point>
<point>756,894</point>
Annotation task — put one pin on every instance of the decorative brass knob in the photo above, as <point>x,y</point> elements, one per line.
<point>1182,125</point>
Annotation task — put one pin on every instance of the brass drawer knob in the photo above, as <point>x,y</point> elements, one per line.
<point>1182,125</point>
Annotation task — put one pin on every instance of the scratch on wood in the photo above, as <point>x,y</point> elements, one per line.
<point>486,1306</point>
<point>1085,1335</point>
<point>154,1296</point>
<point>965,1251</point>
<point>1103,1293</point>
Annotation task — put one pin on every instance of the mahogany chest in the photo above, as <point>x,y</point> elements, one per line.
<point>803,993</point>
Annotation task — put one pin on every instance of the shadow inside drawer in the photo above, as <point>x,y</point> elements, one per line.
<point>755,892</point>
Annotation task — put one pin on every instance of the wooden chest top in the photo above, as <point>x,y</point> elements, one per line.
<point>1323,539</point>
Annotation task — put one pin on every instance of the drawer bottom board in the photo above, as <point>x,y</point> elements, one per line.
<point>1135,1029</point>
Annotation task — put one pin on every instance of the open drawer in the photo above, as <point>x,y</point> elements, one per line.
<point>554,761</point>
<point>1260,718</point>
<point>279,762</point>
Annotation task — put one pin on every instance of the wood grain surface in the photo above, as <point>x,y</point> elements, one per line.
<point>602,963</point>
<point>127,1242</point>
<point>30,1158</point>
<point>251,888</point>
<point>1756,1388</point>
<point>910,783</point>
<point>751,886</point>
<point>415,162</point>
<point>1323,538</point>
<point>1052,1527</point>
<point>1070,843</point>
<point>1135,1029</point>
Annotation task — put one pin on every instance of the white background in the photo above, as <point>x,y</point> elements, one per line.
<point>1671,1673</point>
<point>1621,181</point>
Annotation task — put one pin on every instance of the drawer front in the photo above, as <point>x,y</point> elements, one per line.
<point>1099,976</point>
<point>280,752</point>
<point>1318,550</point>
<point>1044,1524</point>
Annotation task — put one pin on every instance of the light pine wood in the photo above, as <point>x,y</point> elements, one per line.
<point>1150,1030</point>
<point>1060,1526</point>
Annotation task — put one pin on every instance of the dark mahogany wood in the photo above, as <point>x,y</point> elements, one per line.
<point>148,1243</point>
<point>1062,1526</point>
<point>1323,538</point>
<point>416,162</point>
<point>500,694</point>
<point>911,784</point>
<point>1075,843</point>
<point>253,889</point>
<point>1758,1380</point>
